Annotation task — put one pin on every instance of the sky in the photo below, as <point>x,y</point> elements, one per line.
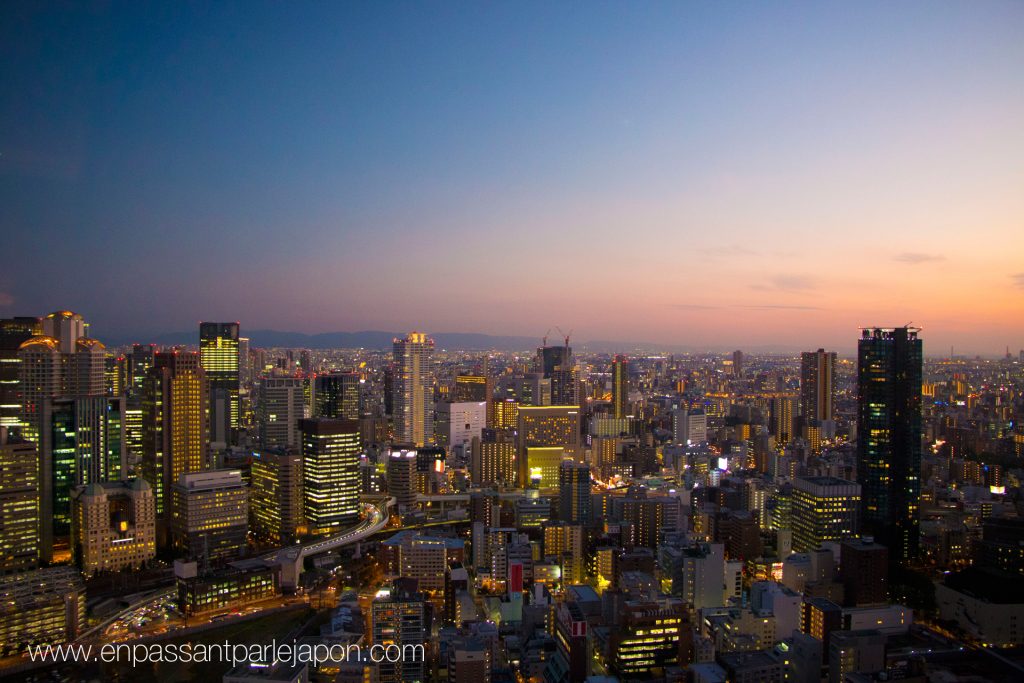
<point>710,174</point>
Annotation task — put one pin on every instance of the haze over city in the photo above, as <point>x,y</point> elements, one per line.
<point>755,175</point>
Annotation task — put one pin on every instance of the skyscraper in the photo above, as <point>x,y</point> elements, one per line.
<point>19,504</point>
<point>817,385</point>
<point>547,427</point>
<point>330,472</point>
<point>557,364</point>
<point>13,333</point>
<point>574,492</point>
<point>336,395</point>
<point>413,400</point>
<point>824,509</point>
<point>620,386</point>
<point>218,353</point>
<point>889,366</point>
<point>282,404</point>
<point>175,424</point>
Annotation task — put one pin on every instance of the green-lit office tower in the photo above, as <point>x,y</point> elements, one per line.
<point>889,364</point>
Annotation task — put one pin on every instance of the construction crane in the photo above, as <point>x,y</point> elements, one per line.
<point>544,340</point>
<point>564,335</point>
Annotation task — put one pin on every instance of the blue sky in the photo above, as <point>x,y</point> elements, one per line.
<point>692,173</point>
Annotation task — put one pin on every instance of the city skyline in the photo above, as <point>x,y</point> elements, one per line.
<point>717,177</point>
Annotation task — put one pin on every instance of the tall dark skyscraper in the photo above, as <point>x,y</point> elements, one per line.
<point>889,365</point>
<point>218,353</point>
<point>336,396</point>
<point>13,332</point>
<point>557,364</point>
<point>574,492</point>
<point>620,386</point>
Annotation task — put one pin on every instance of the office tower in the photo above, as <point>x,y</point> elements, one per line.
<point>864,572</point>
<point>817,385</point>
<point>282,403</point>
<point>41,607</point>
<point>276,500</point>
<point>336,396</point>
<point>113,525</point>
<point>689,426</point>
<point>503,414</point>
<point>782,409</point>
<point>210,515</point>
<point>649,514</point>
<point>142,359</point>
<point>533,390</point>
<point>574,492</point>
<point>84,444</point>
<point>457,424</point>
<point>574,650</point>
<point>564,542</point>
<point>737,363</point>
<point>413,399</point>
<point>473,389</point>
<point>469,661</point>
<point>134,443</point>
<point>540,466</point>
<point>889,363</point>
<point>545,427</point>
<point>13,333</point>
<point>824,509</point>
<point>19,504</point>
<point>218,353</point>
<point>401,618</point>
<point>424,559</point>
<point>175,425</point>
<point>620,387</point>
<point>330,472</point>
<point>66,327</point>
<point>556,363</point>
<point>41,377</point>
<point>401,477</point>
<point>648,637</point>
<point>493,461</point>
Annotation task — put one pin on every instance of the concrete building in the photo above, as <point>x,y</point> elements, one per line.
<point>19,504</point>
<point>210,515</point>
<point>113,525</point>
<point>282,404</point>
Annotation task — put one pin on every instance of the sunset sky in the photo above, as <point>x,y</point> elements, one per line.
<point>722,175</point>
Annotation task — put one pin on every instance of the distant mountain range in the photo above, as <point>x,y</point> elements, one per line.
<point>376,339</point>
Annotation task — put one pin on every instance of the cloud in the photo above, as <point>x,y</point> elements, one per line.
<point>788,283</point>
<point>6,299</point>
<point>779,307</point>
<point>913,257</point>
<point>1018,280</point>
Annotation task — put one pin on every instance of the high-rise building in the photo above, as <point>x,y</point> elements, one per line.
<point>401,618</point>
<point>19,504</point>
<point>558,365</point>
<point>330,472</point>
<point>84,444</point>
<point>547,427</point>
<point>413,400</point>
<point>824,509</point>
<point>218,353</point>
<point>276,500</point>
<point>648,637</point>
<point>401,477</point>
<point>689,426</point>
<point>473,388</point>
<point>782,409</point>
<point>113,525</point>
<point>13,333</point>
<point>493,460</point>
<point>864,572</point>
<point>620,387</point>
<point>175,425</point>
<point>142,359</point>
<point>282,403</point>
<point>503,414</point>
<point>737,363</point>
<point>210,515</point>
<point>817,385</point>
<point>574,492</point>
<point>336,395</point>
<point>41,607</point>
<point>457,424</point>
<point>889,366</point>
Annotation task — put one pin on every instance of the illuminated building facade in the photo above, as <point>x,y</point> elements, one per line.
<point>282,403</point>
<point>817,385</point>
<point>824,509</point>
<point>41,607</point>
<point>113,525</point>
<point>276,497</point>
<point>620,387</point>
<point>19,504</point>
<point>457,424</point>
<point>574,492</point>
<point>649,638</point>
<point>402,618</point>
<point>557,364</point>
<point>13,333</point>
<point>401,477</point>
<point>413,397</point>
<point>493,461</point>
<point>889,366</point>
<point>503,414</point>
<point>330,472</point>
<point>210,515</point>
<point>218,353</point>
<point>175,424</point>
<point>473,388</point>
<point>548,426</point>
<point>542,467</point>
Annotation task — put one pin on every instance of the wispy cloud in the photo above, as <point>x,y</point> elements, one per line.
<point>779,307</point>
<point>787,283</point>
<point>1018,280</point>
<point>914,257</point>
